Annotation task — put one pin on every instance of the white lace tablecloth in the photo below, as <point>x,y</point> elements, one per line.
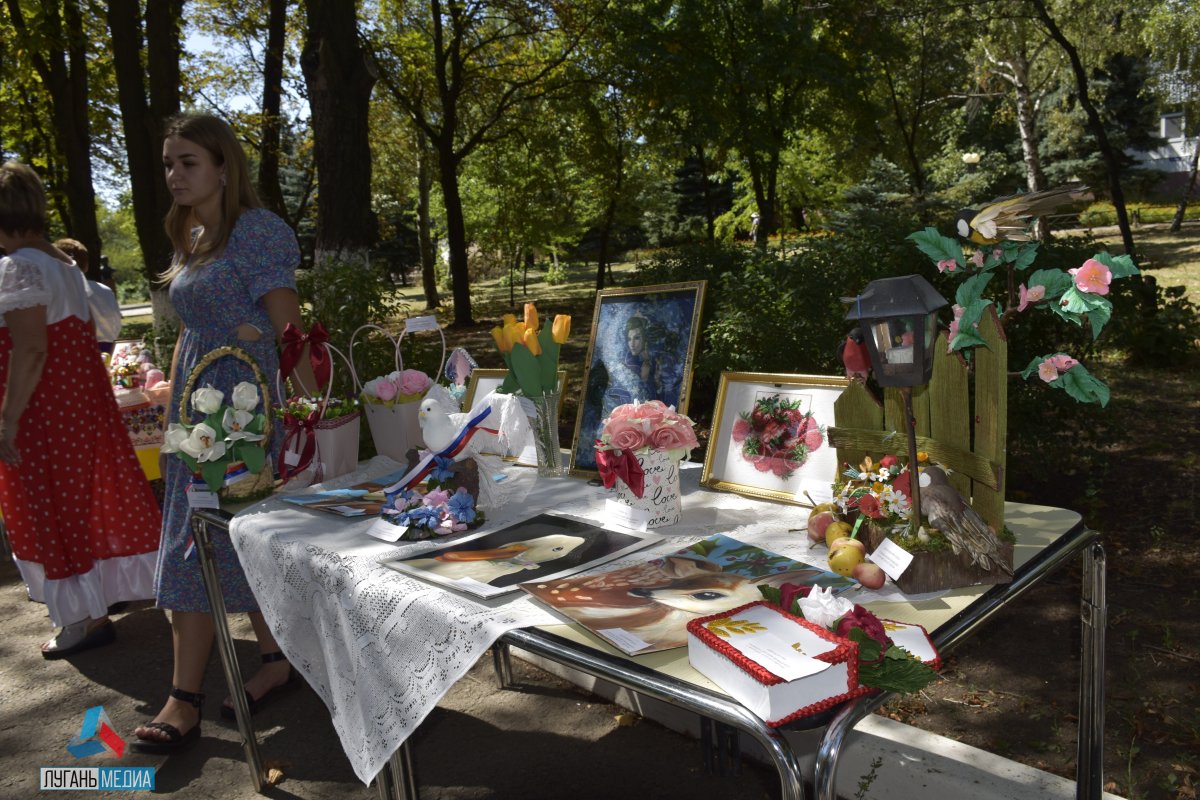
<point>382,648</point>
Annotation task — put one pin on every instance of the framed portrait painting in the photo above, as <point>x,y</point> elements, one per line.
<point>769,436</point>
<point>642,347</point>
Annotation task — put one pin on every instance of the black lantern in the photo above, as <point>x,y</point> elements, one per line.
<point>898,319</point>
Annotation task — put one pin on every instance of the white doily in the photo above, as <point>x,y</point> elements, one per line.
<point>382,648</point>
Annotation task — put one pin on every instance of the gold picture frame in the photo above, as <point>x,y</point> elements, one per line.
<point>739,459</point>
<point>642,346</point>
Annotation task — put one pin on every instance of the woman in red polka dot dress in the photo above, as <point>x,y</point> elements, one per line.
<point>82,518</point>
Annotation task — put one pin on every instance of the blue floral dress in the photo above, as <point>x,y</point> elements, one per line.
<point>213,301</point>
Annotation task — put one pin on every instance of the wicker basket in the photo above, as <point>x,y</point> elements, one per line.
<point>262,483</point>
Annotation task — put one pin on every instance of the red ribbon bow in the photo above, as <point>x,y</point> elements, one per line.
<point>294,340</point>
<point>293,427</point>
<point>621,464</point>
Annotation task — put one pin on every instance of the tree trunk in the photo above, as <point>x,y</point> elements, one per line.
<point>339,81</point>
<point>764,202</point>
<point>1117,195</point>
<point>425,240</point>
<point>610,213</point>
<point>456,234</point>
<point>269,188</point>
<point>64,74</point>
<point>1177,223</point>
<point>710,214</point>
<point>142,123</point>
<point>1027,127</point>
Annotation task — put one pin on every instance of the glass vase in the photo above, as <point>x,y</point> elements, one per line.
<point>544,423</point>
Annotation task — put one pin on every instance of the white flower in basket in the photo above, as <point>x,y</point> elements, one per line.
<point>202,444</point>
<point>245,397</point>
<point>235,421</point>
<point>207,400</point>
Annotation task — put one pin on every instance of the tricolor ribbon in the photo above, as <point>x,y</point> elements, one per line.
<point>425,465</point>
<point>294,427</point>
<point>621,464</point>
<point>294,340</point>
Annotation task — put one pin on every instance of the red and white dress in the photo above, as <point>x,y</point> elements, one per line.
<point>80,514</point>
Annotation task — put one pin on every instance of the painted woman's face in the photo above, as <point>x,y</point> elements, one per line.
<point>193,178</point>
<point>634,339</point>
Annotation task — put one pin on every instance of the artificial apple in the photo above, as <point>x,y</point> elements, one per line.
<point>844,559</point>
<point>838,530</point>
<point>869,575</point>
<point>818,523</point>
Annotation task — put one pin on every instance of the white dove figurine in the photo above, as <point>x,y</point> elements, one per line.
<point>438,428</point>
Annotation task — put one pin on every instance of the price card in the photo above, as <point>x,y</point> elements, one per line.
<point>472,585</point>
<point>425,323</point>
<point>626,516</point>
<point>386,531</point>
<point>629,642</point>
<point>200,497</point>
<point>891,558</point>
<point>291,457</point>
<point>778,657</point>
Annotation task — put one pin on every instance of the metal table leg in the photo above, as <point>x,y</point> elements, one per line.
<point>1089,772</point>
<point>233,677</point>
<point>398,778</point>
<point>502,664</point>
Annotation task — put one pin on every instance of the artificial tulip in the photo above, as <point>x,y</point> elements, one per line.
<point>514,333</point>
<point>500,339</point>
<point>531,317</point>
<point>508,319</point>
<point>531,341</point>
<point>561,328</point>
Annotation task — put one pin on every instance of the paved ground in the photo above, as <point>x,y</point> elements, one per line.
<point>545,740</point>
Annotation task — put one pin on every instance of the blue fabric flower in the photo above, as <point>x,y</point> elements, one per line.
<point>421,517</point>
<point>462,506</point>
<point>442,469</point>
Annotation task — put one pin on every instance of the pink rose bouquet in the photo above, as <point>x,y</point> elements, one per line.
<point>641,427</point>
<point>402,386</point>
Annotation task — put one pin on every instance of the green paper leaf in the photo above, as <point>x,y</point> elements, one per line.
<point>868,648</point>
<point>548,360</point>
<point>1082,302</point>
<point>191,462</point>
<point>938,247</point>
<point>1026,255</point>
<point>1099,317</point>
<point>214,421</point>
<point>509,384</point>
<point>525,367</point>
<point>972,288</point>
<point>1055,280</point>
<point>1083,386</point>
<point>1119,266</point>
<point>254,456</point>
<point>965,339</point>
<point>256,425</point>
<point>213,473</point>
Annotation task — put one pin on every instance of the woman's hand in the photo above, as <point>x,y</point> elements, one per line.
<point>8,443</point>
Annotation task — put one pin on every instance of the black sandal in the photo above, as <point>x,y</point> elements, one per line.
<point>227,712</point>
<point>176,741</point>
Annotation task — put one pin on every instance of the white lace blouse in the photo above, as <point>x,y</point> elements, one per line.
<point>30,278</point>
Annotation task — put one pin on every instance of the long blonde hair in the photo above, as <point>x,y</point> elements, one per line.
<point>215,136</point>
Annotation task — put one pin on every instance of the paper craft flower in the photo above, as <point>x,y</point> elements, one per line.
<point>530,352</point>
<point>777,435</point>
<point>878,490</point>
<point>207,400</point>
<point>1030,296</point>
<point>227,436</point>
<point>823,607</point>
<point>1092,277</point>
<point>641,427</point>
<point>402,386</point>
<point>437,512</point>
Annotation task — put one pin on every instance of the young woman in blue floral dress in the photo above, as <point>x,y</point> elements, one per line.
<point>232,282</point>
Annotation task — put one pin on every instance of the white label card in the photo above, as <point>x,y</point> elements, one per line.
<point>629,642</point>
<point>626,516</point>
<point>386,531</point>
<point>778,657</point>
<point>425,323</point>
<point>202,498</point>
<point>891,558</point>
<point>291,458</point>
